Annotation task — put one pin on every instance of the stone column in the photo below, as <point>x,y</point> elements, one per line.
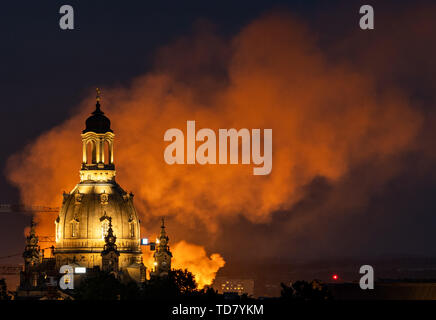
<point>98,146</point>
<point>84,157</point>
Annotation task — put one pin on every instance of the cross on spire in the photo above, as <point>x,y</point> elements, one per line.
<point>98,92</point>
<point>162,229</point>
<point>32,226</point>
<point>97,104</point>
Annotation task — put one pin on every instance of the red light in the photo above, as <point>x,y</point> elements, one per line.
<point>335,277</point>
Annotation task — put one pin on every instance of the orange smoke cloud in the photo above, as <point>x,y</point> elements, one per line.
<point>326,117</point>
<point>194,258</point>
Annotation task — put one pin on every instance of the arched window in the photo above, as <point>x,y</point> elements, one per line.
<point>106,153</point>
<point>104,228</point>
<point>132,229</point>
<point>58,235</point>
<point>74,228</point>
<point>91,152</point>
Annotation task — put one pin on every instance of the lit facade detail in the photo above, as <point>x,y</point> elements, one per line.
<point>162,255</point>
<point>239,286</point>
<point>104,229</point>
<point>83,221</point>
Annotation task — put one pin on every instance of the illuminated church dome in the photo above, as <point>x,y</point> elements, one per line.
<point>86,212</point>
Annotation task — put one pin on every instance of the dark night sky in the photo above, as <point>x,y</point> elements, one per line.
<point>45,72</point>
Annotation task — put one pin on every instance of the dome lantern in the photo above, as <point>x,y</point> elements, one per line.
<point>98,147</point>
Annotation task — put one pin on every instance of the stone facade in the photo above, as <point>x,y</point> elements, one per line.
<point>87,210</point>
<point>97,227</point>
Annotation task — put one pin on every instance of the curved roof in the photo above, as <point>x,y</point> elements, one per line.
<point>89,205</point>
<point>98,122</point>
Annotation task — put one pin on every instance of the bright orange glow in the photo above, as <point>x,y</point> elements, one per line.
<point>195,259</point>
<point>192,257</point>
<point>326,118</point>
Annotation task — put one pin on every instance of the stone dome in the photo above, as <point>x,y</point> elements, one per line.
<point>83,222</point>
<point>97,206</point>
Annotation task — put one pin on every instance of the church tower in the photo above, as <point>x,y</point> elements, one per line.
<point>110,254</point>
<point>30,277</point>
<point>32,253</point>
<point>162,255</point>
<point>98,208</point>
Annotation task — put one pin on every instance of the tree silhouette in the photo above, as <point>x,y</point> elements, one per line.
<point>305,291</point>
<point>177,283</point>
<point>4,295</point>
<point>183,280</point>
<point>100,285</point>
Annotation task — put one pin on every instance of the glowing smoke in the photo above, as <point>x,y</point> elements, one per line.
<point>326,118</point>
<point>194,258</point>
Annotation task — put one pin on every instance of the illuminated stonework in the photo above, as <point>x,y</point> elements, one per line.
<point>98,156</point>
<point>162,255</point>
<point>97,175</point>
<point>83,220</point>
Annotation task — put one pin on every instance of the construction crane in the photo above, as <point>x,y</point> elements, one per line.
<point>11,269</point>
<point>8,208</point>
<point>14,269</point>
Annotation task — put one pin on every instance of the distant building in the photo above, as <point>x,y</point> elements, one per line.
<point>35,278</point>
<point>239,286</point>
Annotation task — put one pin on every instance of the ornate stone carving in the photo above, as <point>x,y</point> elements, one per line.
<point>104,216</point>
<point>78,198</point>
<point>104,198</point>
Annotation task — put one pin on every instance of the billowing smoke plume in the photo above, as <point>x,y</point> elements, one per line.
<point>194,258</point>
<point>327,117</point>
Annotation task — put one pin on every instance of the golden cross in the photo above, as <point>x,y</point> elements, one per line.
<point>98,94</point>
